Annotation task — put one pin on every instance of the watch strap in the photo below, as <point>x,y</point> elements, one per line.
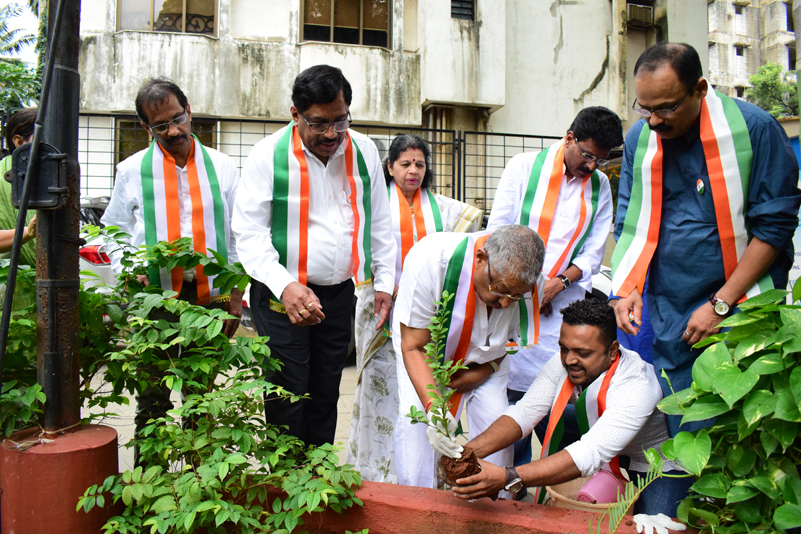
<point>495,366</point>
<point>565,280</point>
<point>512,480</point>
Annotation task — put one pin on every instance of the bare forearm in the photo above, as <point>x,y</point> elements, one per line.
<point>413,342</point>
<point>573,274</point>
<point>502,433</point>
<point>552,470</point>
<point>754,263</point>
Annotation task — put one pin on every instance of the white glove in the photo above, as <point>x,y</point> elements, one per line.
<point>659,523</point>
<point>440,442</point>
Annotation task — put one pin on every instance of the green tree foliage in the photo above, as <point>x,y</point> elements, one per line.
<point>12,41</point>
<point>774,90</point>
<point>19,85</point>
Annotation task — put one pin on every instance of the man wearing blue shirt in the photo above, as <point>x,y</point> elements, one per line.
<point>707,207</point>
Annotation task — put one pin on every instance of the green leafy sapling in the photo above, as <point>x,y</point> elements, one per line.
<point>442,369</point>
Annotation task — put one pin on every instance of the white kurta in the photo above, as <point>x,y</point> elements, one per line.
<point>371,445</point>
<point>506,210</point>
<point>126,206</point>
<point>421,285</point>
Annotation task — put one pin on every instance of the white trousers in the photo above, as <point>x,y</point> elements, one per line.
<point>415,458</point>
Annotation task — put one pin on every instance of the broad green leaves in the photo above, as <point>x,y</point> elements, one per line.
<point>747,384</point>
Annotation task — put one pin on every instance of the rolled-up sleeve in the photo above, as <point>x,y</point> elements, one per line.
<point>773,195</point>
<point>539,398</point>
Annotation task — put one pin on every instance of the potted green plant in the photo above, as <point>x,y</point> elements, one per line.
<point>748,380</point>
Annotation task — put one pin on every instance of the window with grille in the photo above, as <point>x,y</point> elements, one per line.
<point>359,22</point>
<point>175,16</point>
<point>463,9</point>
<point>131,137</point>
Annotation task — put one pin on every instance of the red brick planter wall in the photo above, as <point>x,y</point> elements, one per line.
<point>393,509</point>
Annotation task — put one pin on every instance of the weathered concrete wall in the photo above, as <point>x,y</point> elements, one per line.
<point>463,61</point>
<point>687,23</point>
<point>561,56</point>
<point>248,69</point>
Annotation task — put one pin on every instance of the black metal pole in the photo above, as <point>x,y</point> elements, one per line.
<point>57,241</point>
<point>32,174</point>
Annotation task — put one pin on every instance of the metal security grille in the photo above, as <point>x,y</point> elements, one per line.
<point>485,155</point>
<point>106,140</point>
<point>463,9</point>
<point>466,165</point>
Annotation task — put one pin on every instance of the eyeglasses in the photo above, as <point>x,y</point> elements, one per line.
<point>661,113</point>
<point>589,158</point>
<point>321,127</point>
<point>164,126</point>
<point>502,295</point>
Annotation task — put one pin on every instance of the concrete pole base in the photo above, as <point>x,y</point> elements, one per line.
<point>40,486</point>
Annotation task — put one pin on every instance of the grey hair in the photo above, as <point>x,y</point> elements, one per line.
<point>517,251</point>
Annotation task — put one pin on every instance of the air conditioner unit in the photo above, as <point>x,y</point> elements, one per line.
<point>639,13</point>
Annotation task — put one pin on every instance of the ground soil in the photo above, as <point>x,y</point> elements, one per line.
<point>456,468</point>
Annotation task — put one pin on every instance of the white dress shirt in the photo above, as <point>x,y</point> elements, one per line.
<point>421,286</point>
<point>629,425</point>
<point>506,210</point>
<point>126,206</point>
<point>331,225</point>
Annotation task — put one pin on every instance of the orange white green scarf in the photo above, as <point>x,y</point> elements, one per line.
<point>590,406</point>
<point>427,219</point>
<point>290,219</point>
<point>461,308</point>
<point>540,199</point>
<point>728,154</point>
<point>161,207</point>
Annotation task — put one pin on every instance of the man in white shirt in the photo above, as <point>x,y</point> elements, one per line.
<point>615,394</point>
<point>312,217</point>
<point>157,195</point>
<point>487,274</point>
<point>561,194</point>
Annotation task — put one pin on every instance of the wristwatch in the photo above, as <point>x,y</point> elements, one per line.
<point>565,280</point>
<point>514,484</point>
<point>721,307</point>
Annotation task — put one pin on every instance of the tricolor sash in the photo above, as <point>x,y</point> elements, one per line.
<point>728,154</point>
<point>537,211</point>
<point>590,406</point>
<point>290,218</point>
<point>408,228</point>
<point>161,208</point>
<point>462,307</point>
<point>540,199</point>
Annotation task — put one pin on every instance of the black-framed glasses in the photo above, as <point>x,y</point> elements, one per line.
<point>321,127</point>
<point>661,113</point>
<point>589,158</point>
<point>502,295</point>
<point>164,126</point>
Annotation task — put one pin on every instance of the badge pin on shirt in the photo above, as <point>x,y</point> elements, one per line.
<point>699,186</point>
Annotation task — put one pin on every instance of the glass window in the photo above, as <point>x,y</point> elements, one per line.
<point>177,16</point>
<point>360,22</point>
<point>131,137</point>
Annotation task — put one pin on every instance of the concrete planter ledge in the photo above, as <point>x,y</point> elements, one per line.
<point>394,509</point>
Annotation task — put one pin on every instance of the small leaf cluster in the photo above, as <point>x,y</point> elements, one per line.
<point>441,369</point>
<point>749,380</point>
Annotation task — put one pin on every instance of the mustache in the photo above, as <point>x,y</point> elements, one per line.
<point>662,127</point>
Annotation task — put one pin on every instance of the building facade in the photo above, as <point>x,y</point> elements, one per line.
<point>744,35</point>
<point>489,67</point>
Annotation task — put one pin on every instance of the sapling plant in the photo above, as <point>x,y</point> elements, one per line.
<point>442,369</point>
